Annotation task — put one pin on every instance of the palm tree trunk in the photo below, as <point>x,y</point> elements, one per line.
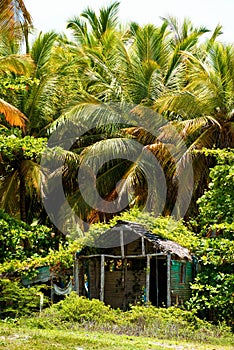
<point>25,30</point>
<point>23,211</point>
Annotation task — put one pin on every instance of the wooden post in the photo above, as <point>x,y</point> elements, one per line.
<point>122,243</point>
<point>147,279</point>
<point>157,289</point>
<point>76,275</point>
<point>52,290</point>
<point>143,245</point>
<point>102,282</point>
<point>125,269</point>
<point>168,280</point>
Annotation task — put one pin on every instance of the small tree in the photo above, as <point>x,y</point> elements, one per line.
<point>214,285</point>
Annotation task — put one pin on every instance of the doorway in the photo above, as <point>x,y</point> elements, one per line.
<point>158,281</point>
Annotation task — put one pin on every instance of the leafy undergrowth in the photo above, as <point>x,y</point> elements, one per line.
<point>75,313</point>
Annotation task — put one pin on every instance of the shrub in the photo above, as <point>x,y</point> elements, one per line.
<point>80,309</point>
<point>16,301</point>
<point>171,323</point>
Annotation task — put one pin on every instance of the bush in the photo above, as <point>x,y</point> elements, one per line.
<point>16,301</point>
<point>80,309</point>
<point>20,241</point>
<point>171,323</point>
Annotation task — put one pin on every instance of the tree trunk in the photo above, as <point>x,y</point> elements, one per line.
<point>25,31</point>
<point>23,212</point>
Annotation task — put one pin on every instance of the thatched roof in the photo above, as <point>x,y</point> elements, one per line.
<point>132,231</point>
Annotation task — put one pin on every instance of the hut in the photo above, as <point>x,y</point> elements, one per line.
<point>131,264</point>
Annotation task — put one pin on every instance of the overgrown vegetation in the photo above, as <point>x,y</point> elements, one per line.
<point>165,227</point>
<point>144,70</point>
<point>17,301</point>
<point>20,241</point>
<point>171,323</point>
<point>213,288</point>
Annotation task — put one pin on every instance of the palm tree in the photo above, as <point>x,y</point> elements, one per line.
<point>89,28</point>
<point>12,65</point>
<point>15,20</point>
<point>203,108</point>
<point>97,37</point>
<point>34,111</point>
<point>20,172</point>
<point>149,63</point>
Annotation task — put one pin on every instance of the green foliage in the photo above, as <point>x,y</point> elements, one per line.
<point>17,84</point>
<point>216,252</point>
<point>212,292</point>
<point>28,147</point>
<point>20,170</point>
<point>213,295</point>
<point>165,227</point>
<point>59,260</point>
<point>16,301</point>
<point>23,249</point>
<point>80,309</point>
<point>93,314</point>
<point>20,241</point>
<point>216,210</point>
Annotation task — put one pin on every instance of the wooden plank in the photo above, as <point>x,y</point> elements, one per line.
<point>168,280</point>
<point>51,290</point>
<point>147,278</point>
<point>122,243</point>
<point>102,277</point>
<point>76,276</point>
<point>125,282</point>
<point>157,289</point>
<point>143,245</point>
<point>119,256</point>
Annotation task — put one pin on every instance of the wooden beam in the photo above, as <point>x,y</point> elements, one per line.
<point>76,275</point>
<point>143,245</point>
<point>125,269</point>
<point>119,256</point>
<point>52,291</point>
<point>147,279</point>
<point>102,282</point>
<point>122,243</point>
<point>168,280</point>
<point>157,286</point>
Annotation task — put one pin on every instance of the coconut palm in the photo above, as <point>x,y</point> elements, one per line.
<point>34,105</point>
<point>203,108</point>
<point>144,66</point>
<point>15,20</point>
<point>12,65</point>
<point>148,65</point>
<point>97,37</point>
<point>89,28</point>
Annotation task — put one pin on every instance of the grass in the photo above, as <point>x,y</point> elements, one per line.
<point>77,323</point>
<point>13,337</point>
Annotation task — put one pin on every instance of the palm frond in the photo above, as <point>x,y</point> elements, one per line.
<point>31,173</point>
<point>37,103</point>
<point>12,11</point>
<point>181,103</point>
<point>41,52</point>
<point>15,64</point>
<point>12,115</point>
<point>9,186</point>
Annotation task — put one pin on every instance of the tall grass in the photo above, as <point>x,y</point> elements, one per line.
<point>172,323</point>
